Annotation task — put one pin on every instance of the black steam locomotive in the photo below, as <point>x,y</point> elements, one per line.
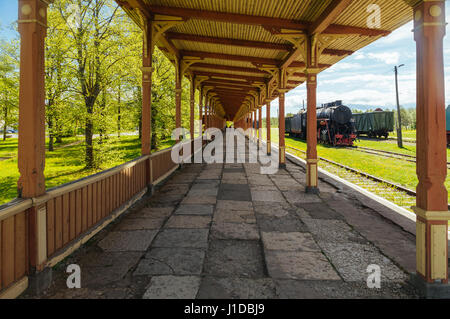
<point>335,125</point>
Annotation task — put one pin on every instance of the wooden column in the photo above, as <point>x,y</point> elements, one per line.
<point>146,140</point>
<point>31,152</point>
<point>178,91</point>
<point>281,128</point>
<point>432,207</point>
<point>268,124</point>
<point>200,111</point>
<point>192,105</point>
<point>253,125</point>
<point>260,127</point>
<point>311,133</point>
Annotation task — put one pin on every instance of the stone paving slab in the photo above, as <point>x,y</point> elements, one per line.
<point>320,211</point>
<point>272,209</point>
<point>189,221</point>
<point>234,258</point>
<point>352,261</point>
<point>336,289</point>
<point>234,205</point>
<point>173,287</point>
<point>199,200</point>
<point>236,288</point>
<point>140,224</point>
<point>296,197</point>
<point>287,223</point>
<point>243,231</point>
<point>188,238</point>
<point>267,196</point>
<point>234,216</point>
<point>235,192</point>
<point>289,241</point>
<point>152,212</point>
<point>299,265</point>
<point>171,261</point>
<point>138,240</point>
<point>195,210</point>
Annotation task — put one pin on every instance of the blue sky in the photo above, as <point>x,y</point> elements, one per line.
<point>364,79</point>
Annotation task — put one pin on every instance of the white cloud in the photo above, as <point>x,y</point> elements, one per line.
<point>403,33</point>
<point>359,56</point>
<point>386,57</point>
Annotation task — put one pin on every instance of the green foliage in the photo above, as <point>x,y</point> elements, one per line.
<point>93,83</point>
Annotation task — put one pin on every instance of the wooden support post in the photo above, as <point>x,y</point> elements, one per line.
<point>268,124</point>
<point>200,111</point>
<point>432,206</point>
<point>146,116</point>
<point>147,92</point>
<point>192,109</point>
<point>178,91</point>
<point>312,175</point>
<point>281,128</point>
<point>260,127</point>
<point>31,153</point>
<point>311,153</point>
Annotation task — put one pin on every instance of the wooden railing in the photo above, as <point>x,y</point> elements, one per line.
<point>14,242</point>
<point>40,232</point>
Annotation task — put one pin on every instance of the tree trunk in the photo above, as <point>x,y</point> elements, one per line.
<point>119,116</point>
<point>5,127</point>
<point>88,134</point>
<point>51,135</point>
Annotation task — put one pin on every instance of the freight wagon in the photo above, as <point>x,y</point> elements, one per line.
<point>376,124</point>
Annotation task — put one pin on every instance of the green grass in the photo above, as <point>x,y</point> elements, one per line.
<point>66,164</point>
<point>411,134</point>
<point>393,170</point>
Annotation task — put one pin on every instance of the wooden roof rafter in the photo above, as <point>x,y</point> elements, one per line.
<point>266,22</point>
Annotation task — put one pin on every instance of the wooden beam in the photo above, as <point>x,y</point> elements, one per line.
<point>230,76</point>
<point>344,29</point>
<point>333,10</point>
<point>227,68</point>
<point>335,52</point>
<point>227,17</point>
<point>230,42</point>
<point>228,83</point>
<point>223,56</point>
<point>267,22</point>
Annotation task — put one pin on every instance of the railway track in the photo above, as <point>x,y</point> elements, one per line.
<point>395,193</point>
<point>404,157</point>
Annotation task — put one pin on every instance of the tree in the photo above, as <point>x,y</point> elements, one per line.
<point>9,79</point>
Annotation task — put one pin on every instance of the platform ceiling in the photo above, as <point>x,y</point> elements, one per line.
<point>233,41</point>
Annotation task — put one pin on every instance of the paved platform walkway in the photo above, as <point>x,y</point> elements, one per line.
<point>226,231</point>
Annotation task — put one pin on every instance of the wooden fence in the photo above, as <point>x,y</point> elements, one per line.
<point>40,232</point>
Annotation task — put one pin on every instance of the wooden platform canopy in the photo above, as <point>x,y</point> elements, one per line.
<point>239,48</point>
<point>240,55</point>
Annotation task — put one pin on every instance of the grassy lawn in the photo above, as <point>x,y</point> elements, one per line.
<point>67,164</point>
<point>411,134</point>
<point>394,170</point>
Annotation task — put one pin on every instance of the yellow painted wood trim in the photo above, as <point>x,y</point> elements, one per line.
<point>312,161</point>
<point>432,215</point>
<point>438,252</point>
<point>15,290</point>
<point>421,248</point>
<point>14,208</point>
<point>42,234</point>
